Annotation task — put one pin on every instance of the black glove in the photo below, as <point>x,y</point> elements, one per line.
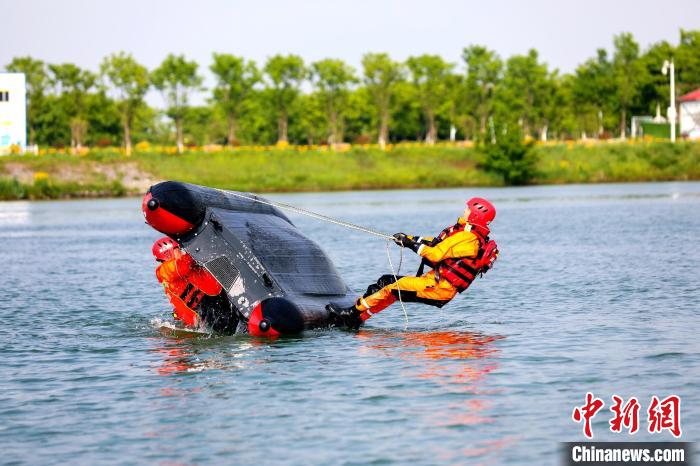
<point>405,242</point>
<point>399,237</point>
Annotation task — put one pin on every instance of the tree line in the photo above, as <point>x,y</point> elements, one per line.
<point>285,100</point>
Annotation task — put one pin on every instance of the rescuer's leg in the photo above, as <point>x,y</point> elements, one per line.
<point>184,314</point>
<point>379,296</point>
<point>383,281</point>
<point>386,291</point>
<point>350,316</point>
<point>376,302</point>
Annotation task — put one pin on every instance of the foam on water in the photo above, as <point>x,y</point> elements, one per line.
<point>177,329</point>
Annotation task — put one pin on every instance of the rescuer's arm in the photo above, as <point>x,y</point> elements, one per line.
<point>183,263</point>
<point>411,242</point>
<point>422,239</point>
<point>462,244</point>
<point>185,266</point>
<point>400,238</point>
<point>204,281</point>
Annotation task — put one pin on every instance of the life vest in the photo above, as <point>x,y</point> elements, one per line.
<point>186,284</point>
<point>184,297</point>
<point>179,286</point>
<point>449,231</point>
<point>189,315</point>
<point>191,296</point>
<point>461,272</point>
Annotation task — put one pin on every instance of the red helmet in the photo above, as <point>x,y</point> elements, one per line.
<point>164,248</point>
<point>481,212</point>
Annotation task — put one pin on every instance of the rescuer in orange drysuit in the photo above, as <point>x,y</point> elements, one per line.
<point>457,255</point>
<point>184,281</point>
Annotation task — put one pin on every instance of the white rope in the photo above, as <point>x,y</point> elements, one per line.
<point>396,280</point>
<point>325,218</point>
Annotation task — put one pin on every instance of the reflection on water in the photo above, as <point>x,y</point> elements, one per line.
<point>192,354</point>
<point>459,362</point>
<point>176,359</point>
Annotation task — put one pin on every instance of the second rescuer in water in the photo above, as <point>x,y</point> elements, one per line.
<point>457,255</point>
<point>185,282</point>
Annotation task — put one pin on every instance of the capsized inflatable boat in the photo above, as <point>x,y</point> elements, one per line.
<point>276,280</point>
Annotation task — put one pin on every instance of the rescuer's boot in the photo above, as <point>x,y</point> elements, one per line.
<point>347,316</point>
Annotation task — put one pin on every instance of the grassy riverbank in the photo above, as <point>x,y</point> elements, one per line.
<point>108,173</point>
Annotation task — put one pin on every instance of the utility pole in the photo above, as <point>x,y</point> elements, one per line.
<point>672,108</point>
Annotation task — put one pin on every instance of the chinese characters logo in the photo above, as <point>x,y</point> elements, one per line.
<point>661,414</point>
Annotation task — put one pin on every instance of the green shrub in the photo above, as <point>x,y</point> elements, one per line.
<point>510,157</point>
<point>11,188</point>
<point>44,189</point>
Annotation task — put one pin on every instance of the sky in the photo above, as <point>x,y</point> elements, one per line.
<point>566,33</point>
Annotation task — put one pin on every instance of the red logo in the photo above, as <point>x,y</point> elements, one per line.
<point>661,415</point>
<point>587,412</point>
<point>665,415</point>
<point>625,416</point>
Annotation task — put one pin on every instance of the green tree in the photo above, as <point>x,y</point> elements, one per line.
<point>130,82</point>
<point>484,69</point>
<point>73,86</point>
<point>654,91</point>
<point>332,79</point>
<point>236,79</point>
<point>258,121</point>
<point>455,109</point>
<point>359,117</point>
<point>37,81</point>
<point>104,119</point>
<point>407,113</point>
<point>53,122</point>
<point>176,78</point>
<point>311,120</point>
<point>593,91</point>
<point>566,122</point>
<point>524,91</point>
<point>381,75</point>
<point>202,125</point>
<point>555,105</point>
<point>629,74</point>
<point>688,61</point>
<point>286,73</point>
<point>430,74</point>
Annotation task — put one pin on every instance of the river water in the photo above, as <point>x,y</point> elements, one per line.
<point>597,289</point>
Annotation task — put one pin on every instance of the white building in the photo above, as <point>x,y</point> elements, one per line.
<point>690,115</point>
<point>13,112</point>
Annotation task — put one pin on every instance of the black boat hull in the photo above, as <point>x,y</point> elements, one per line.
<point>276,279</point>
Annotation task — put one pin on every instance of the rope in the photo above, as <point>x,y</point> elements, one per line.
<point>395,273</point>
<point>325,218</point>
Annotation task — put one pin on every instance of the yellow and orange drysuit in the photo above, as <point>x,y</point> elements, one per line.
<point>438,286</point>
